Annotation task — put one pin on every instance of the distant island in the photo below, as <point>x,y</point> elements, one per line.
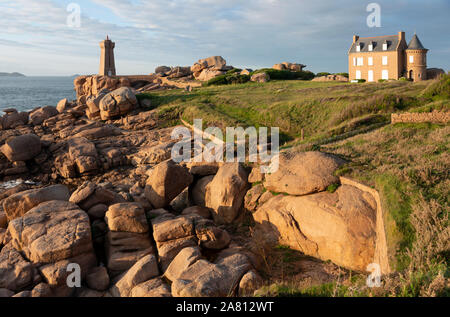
<point>11,75</point>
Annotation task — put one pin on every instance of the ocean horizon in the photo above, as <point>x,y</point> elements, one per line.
<point>27,93</point>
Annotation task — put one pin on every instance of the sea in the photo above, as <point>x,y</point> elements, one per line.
<point>27,93</point>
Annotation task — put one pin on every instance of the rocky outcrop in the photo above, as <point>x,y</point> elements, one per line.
<point>260,77</point>
<point>294,67</point>
<point>339,226</point>
<point>208,68</point>
<point>303,173</point>
<point>331,78</point>
<point>91,85</point>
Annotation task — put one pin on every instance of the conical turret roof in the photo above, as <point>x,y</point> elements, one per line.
<point>415,44</point>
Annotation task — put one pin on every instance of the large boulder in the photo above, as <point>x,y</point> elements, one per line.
<point>336,226</point>
<point>38,116</point>
<point>151,288</point>
<point>63,105</point>
<point>15,272</point>
<point>172,234</point>
<point>51,232</point>
<point>166,180</point>
<point>145,269</point>
<point>93,104</point>
<point>128,239</point>
<point>182,262</point>
<point>205,279</point>
<point>117,103</point>
<point>225,193</point>
<point>162,69</point>
<point>127,217</point>
<point>20,203</point>
<point>303,173</point>
<point>22,148</point>
<point>81,157</point>
<point>208,74</point>
<point>260,77</point>
<point>13,119</point>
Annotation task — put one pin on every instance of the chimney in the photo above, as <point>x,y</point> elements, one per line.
<point>401,36</point>
<point>355,38</point>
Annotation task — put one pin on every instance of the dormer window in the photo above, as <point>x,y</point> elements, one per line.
<point>385,46</point>
<point>370,47</point>
<point>358,48</point>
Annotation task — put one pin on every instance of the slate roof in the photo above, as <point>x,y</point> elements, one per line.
<point>415,44</point>
<point>377,41</point>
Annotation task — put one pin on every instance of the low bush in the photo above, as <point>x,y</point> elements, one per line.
<point>322,74</point>
<point>285,74</point>
<point>439,90</point>
<point>227,79</point>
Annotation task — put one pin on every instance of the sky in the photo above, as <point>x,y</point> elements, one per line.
<point>35,38</point>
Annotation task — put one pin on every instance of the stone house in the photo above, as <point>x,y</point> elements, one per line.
<point>387,57</point>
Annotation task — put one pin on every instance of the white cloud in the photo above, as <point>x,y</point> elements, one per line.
<point>251,33</point>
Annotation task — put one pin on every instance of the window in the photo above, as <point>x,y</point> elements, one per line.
<point>358,74</point>
<point>385,60</point>
<point>360,61</point>
<point>385,46</point>
<point>354,61</point>
<point>385,74</point>
<point>370,47</point>
<point>411,59</point>
<point>370,61</point>
<point>358,48</point>
<point>370,75</point>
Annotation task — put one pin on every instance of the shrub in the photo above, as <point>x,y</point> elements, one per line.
<point>234,70</point>
<point>439,89</point>
<point>285,74</point>
<point>360,81</point>
<point>227,79</point>
<point>382,80</point>
<point>322,74</point>
<point>342,74</point>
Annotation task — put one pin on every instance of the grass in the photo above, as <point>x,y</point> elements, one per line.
<point>407,163</point>
<point>321,109</point>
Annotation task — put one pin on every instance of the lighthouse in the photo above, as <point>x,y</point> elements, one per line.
<point>107,64</point>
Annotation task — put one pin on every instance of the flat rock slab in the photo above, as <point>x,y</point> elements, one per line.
<point>18,204</point>
<point>303,173</point>
<point>51,232</point>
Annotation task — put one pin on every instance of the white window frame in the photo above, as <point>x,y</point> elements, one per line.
<point>354,61</point>
<point>385,74</point>
<point>411,59</point>
<point>370,61</point>
<point>358,74</point>
<point>360,61</point>
<point>369,77</point>
<point>370,47</point>
<point>385,46</point>
<point>385,60</point>
<point>358,48</point>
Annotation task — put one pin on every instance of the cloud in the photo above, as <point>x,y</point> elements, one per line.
<point>250,33</point>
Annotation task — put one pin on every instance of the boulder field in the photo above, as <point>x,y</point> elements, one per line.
<point>104,194</point>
